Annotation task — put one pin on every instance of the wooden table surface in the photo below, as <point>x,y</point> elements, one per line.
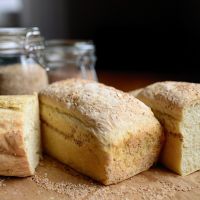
<point>55,181</point>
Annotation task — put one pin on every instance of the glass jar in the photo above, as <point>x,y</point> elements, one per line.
<point>21,62</point>
<point>70,59</point>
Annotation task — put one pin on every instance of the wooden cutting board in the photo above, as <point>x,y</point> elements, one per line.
<point>54,181</point>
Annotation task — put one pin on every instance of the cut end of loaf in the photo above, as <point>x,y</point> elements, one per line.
<point>19,135</point>
<point>191,138</point>
<point>181,151</point>
<point>32,138</point>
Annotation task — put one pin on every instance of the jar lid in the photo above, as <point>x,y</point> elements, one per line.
<point>20,40</point>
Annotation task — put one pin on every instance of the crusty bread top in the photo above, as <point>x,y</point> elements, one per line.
<point>15,102</point>
<point>170,97</point>
<point>101,108</point>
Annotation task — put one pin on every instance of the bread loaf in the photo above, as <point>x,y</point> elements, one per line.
<point>98,130</point>
<point>177,106</point>
<point>19,135</point>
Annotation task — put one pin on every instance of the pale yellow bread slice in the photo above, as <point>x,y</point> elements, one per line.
<point>19,135</point>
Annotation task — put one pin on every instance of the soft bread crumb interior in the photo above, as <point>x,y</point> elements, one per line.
<point>190,128</point>
<point>182,147</point>
<point>32,133</point>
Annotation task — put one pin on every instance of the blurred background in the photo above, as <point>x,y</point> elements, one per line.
<point>137,42</point>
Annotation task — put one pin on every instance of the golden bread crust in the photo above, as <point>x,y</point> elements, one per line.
<point>170,96</point>
<point>100,131</point>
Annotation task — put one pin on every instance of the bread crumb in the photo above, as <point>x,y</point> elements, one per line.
<point>153,184</point>
<point>73,191</point>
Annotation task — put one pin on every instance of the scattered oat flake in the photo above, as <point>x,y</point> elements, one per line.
<point>72,190</point>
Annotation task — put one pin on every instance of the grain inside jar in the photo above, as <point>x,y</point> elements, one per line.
<point>22,64</point>
<point>22,79</point>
